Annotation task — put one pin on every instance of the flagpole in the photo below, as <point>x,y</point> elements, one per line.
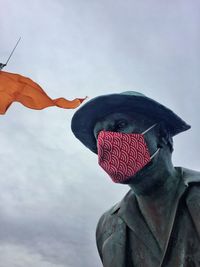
<point>2,65</point>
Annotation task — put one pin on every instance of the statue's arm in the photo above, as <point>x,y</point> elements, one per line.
<point>100,235</point>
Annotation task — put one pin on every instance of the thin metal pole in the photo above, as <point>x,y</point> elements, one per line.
<point>12,52</point>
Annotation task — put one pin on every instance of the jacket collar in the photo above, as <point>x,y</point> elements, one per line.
<point>190,176</point>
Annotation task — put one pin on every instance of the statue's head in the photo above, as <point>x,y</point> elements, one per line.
<point>127,131</point>
<point>86,117</point>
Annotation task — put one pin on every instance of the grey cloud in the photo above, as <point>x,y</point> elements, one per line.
<point>51,190</point>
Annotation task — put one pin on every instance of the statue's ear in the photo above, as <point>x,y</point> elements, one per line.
<point>165,138</point>
<point>162,143</point>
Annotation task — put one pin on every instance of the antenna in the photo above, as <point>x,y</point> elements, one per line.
<point>2,65</point>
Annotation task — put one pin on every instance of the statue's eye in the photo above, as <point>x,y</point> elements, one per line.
<point>120,125</point>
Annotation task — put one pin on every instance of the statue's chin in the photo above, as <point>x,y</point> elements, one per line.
<point>140,175</point>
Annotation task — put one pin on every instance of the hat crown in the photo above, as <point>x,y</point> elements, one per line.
<point>132,93</point>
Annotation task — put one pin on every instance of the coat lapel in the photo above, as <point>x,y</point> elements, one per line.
<point>130,213</point>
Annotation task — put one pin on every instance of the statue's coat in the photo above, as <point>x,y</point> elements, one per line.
<point>112,231</point>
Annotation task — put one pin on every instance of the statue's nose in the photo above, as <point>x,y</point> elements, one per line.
<point>108,127</point>
<point>105,126</point>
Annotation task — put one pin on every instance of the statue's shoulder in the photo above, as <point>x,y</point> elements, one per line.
<point>191,179</point>
<point>105,227</point>
<point>192,197</point>
<point>110,217</point>
<point>190,176</point>
<point>107,219</point>
<point>108,223</point>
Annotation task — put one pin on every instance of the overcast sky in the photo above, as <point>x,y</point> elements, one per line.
<point>52,191</point>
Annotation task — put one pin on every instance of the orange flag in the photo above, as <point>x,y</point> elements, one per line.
<point>14,87</point>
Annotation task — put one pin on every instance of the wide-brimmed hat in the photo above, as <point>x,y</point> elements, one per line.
<point>86,116</point>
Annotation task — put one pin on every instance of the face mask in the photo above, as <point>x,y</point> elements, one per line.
<point>122,155</point>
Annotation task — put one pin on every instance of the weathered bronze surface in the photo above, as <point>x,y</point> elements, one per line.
<point>157,224</point>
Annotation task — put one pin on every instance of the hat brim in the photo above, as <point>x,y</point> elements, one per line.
<point>85,118</point>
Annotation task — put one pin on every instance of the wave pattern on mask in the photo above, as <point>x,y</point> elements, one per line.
<point>121,155</point>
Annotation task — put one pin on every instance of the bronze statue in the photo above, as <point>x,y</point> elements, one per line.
<point>157,224</point>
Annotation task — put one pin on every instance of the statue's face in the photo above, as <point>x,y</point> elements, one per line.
<point>129,123</point>
<point>133,123</point>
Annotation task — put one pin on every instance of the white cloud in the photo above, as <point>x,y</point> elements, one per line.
<point>52,191</point>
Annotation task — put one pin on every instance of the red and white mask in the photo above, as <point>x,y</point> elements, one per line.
<point>122,155</point>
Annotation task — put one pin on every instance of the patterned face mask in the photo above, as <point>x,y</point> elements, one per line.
<point>122,155</point>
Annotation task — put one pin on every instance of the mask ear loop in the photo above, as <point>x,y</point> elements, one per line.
<point>152,156</point>
<point>149,128</point>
